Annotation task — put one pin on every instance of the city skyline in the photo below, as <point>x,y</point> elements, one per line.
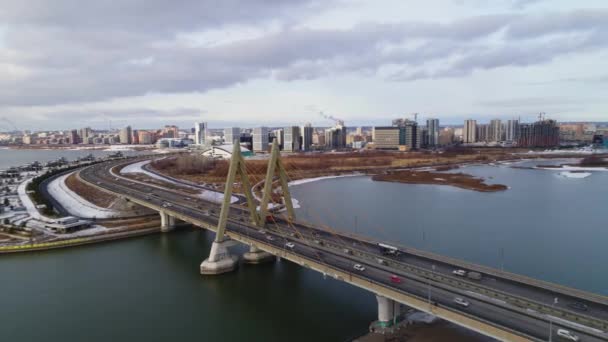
<point>287,63</point>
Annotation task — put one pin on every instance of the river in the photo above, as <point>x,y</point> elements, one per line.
<point>149,288</point>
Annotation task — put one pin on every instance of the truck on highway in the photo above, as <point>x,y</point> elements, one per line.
<point>388,250</point>
<point>474,275</point>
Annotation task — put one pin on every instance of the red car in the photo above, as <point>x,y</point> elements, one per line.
<point>395,279</point>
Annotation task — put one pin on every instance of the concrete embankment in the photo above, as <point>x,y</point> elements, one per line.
<point>77,241</point>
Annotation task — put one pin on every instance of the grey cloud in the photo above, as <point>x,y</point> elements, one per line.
<point>65,65</point>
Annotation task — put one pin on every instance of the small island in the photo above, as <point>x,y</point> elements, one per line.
<point>460,180</point>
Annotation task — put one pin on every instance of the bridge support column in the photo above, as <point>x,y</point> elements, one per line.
<point>257,256</point>
<point>220,260</point>
<point>167,222</point>
<point>389,316</point>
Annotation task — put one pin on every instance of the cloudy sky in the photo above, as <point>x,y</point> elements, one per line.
<point>74,63</point>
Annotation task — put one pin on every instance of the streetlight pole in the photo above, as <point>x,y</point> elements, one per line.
<point>429,283</point>
<point>555,301</point>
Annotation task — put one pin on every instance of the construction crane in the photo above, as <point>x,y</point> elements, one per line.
<point>541,116</point>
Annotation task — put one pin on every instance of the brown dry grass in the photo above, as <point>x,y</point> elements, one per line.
<point>461,180</point>
<point>92,194</point>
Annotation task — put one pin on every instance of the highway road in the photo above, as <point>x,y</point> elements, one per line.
<point>500,300</point>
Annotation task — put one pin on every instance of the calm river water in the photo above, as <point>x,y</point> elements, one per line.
<point>149,288</point>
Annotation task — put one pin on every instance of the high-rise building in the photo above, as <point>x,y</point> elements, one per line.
<point>291,142</point>
<point>145,137</point>
<point>125,135</point>
<point>306,132</point>
<point>335,137</point>
<point>482,133</point>
<point>409,134</point>
<point>469,131</point>
<point>544,133</point>
<point>232,134</point>
<point>495,130</point>
<point>74,138</point>
<point>171,131</point>
<point>512,131</point>
<point>260,139</point>
<point>200,133</point>
<point>85,134</point>
<point>432,126</point>
<point>386,137</point>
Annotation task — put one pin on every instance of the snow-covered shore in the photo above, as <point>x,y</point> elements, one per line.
<point>310,180</point>
<point>209,195</point>
<point>74,204</point>
<point>579,175</point>
<point>573,168</point>
<point>28,204</point>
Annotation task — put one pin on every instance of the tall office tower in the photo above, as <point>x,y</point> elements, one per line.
<point>512,130</point>
<point>125,135</point>
<point>200,133</point>
<point>306,132</point>
<point>409,133</point>
<point>335,137</point>
<point>495,130</point>
<point>74,138</point>
<point>85,134</point>
<point>291,136</point>
<point>469,131</point>
<point>432,126</point>
<point>232,134</point>
<point>260,139</point>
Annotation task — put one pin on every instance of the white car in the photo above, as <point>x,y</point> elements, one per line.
<point>270,237</point>
<point>461,302</point>
<point>290,245</point>
<point>460,273</point>
<point>567,335</point>
<point>359,268</point>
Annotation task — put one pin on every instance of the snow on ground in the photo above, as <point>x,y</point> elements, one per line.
<point>573,168</point>
<point>209,195</point>
<point>75,204</point>
<point>584,150</point>
<point>310,180</point>
<point>568,174</point>
<point>28,204</point>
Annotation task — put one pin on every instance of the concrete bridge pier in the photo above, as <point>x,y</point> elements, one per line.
<point>167,222</point>
<point>257,256</point>
<point>220,260</point>
<point>389,314</point>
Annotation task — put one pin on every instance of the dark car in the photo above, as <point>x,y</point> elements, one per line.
<point>578,306</point>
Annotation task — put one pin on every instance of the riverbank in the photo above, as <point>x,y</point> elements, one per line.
<point>460,180</point>
<point>73,242</point>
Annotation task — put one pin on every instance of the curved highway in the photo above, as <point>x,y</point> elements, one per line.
<point>508,301</point>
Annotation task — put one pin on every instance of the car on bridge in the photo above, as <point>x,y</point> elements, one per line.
<point>270,237</point>
<point>461,302</point>
<point>290,245</point>
<point>359,267</point>
<point>460,273</point>
<point>563,333</point>
<point>578,306</point>
<point>395,279</point>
